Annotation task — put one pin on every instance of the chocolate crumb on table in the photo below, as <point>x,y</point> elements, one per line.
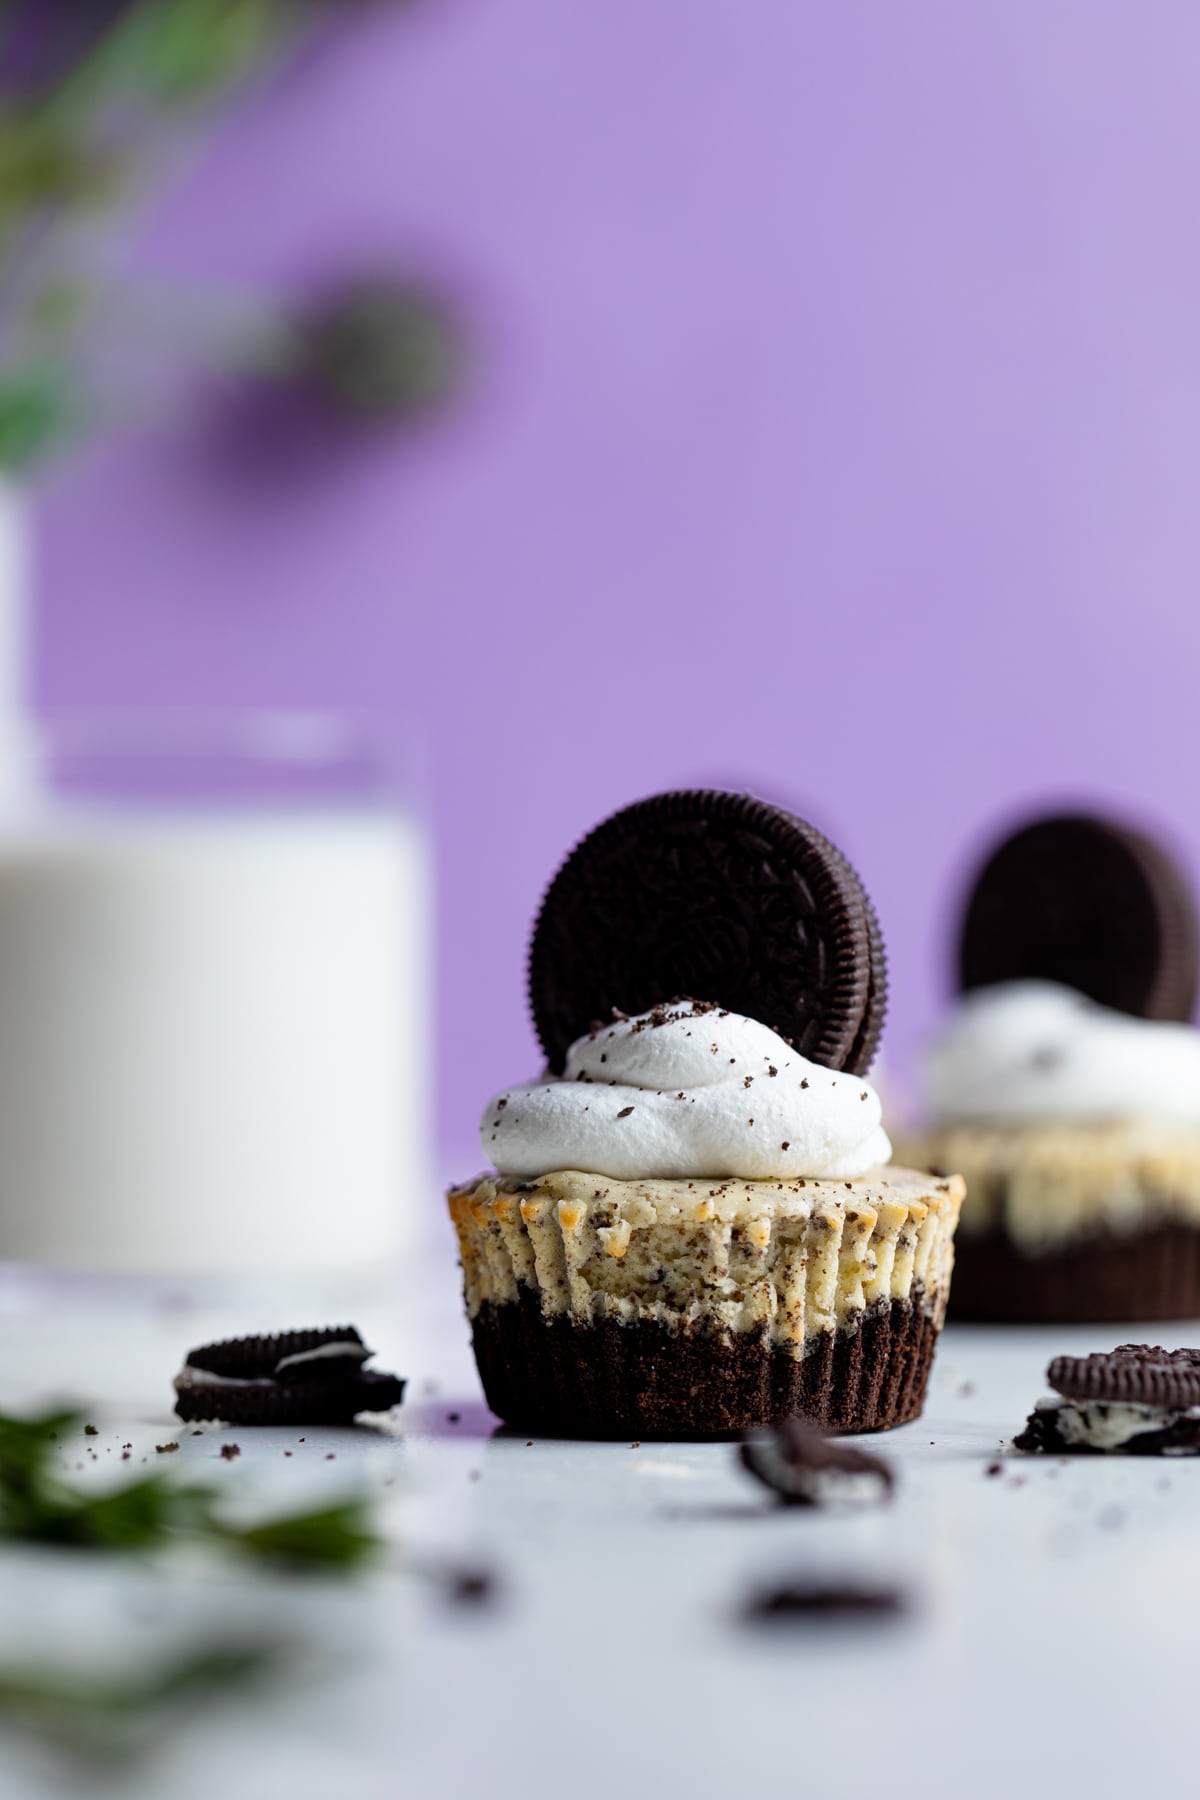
<point>471,1586</point>
<point>804,1599</point>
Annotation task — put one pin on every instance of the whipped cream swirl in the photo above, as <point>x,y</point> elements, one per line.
<point>688,1090</point>
<point>1028,1051</point>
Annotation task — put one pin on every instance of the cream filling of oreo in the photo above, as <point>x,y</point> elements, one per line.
<point>343,1349</point>
<point>821,1485</point>
<point>1110,1424</point>
<point>191,1376</point>
<point>683,1091</point>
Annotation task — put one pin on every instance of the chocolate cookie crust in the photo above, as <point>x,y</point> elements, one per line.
<point>551,1375</point>
<point>1106,1279</point>
<point>718,896</point>
<point>1089,903</point>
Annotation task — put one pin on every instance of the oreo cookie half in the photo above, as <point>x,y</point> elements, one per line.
<point>1137,1400</point>
<point>803,1467</point>
<point>1094,905</point>
<point>1134,1374</point>
<point>721,897</point>
<point>293,1378</point>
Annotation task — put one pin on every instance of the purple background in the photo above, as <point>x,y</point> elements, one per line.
<point>835,428</point>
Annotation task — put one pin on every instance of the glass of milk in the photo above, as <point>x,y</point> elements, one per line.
<point>215,1031</point>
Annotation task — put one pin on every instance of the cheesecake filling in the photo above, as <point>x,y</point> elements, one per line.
<point>685,1091</point>
<point>787,1260</point>
<point>1049,1187</point>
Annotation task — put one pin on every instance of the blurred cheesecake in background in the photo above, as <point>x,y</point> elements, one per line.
<point>1065,1085</point>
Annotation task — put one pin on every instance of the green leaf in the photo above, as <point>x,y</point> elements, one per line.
<point>113,1717</point>
<point>157,1511</point>
<point>340,1537</point>
<point>36,412</point>
<point>379,350</point>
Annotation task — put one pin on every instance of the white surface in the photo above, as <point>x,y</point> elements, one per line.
<point>1051,1650</point>
<point>208,1026</point>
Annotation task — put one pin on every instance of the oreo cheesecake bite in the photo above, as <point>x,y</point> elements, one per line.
<point>694,1227</point>
<point>1066,1083</point>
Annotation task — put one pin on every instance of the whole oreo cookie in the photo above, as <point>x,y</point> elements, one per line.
<point>1132,1374</point>
<point>292,1378</point>
<point>1088,903</point>
<point>720,897</point>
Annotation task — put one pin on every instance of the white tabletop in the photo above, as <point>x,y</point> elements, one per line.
<point>1051,1646</point>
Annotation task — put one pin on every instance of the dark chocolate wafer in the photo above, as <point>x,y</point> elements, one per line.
<point>1089,903</point>
<point>290,1378</point>
<point>803,1466</point>
<point>1132,1374</point>
<point>719,896</point>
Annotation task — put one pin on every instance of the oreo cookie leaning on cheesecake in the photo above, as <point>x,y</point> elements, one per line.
<point>1066,1085</point>
<point>694,1227</point>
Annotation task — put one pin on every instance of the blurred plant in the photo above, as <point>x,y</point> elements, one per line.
<point>378,349</point>
<point>114,1718</point>
<point>36,1506</point>
<point>93,95</point>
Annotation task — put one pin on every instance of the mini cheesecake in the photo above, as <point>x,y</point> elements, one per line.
<point>1065,1082</point>
<point>693,1227</point>
<point>685,1308</point>
<point>1073,1224</point>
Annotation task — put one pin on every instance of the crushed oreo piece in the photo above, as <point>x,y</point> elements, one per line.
<point>470,1586</point>
<point>803,1467</point>
<point>803,1599</point>
<point>294,1378</point>
<point>1136,1400</point>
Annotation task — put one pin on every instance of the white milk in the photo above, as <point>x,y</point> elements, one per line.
<point>214,1042</point>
